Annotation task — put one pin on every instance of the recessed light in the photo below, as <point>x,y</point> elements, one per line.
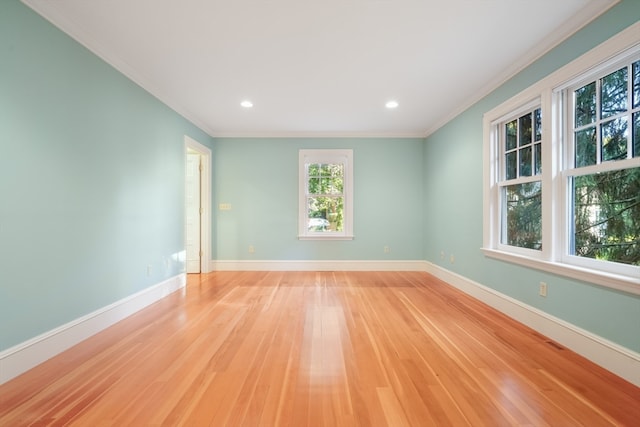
<point>246,104</point>
<point>391,104</point>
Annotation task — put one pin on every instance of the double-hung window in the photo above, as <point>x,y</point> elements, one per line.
<point>325,194</point>
<point>520,180</point>
<point>602,167</point>
<point>562,170</point>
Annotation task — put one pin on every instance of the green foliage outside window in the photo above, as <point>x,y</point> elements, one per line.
<point>524,215</point>
<point>325,196</point>
<point>606,205</point>
<point>607,216</point>
<point>522,203</point>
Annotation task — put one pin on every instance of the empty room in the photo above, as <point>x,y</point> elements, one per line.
<point>338,213</point>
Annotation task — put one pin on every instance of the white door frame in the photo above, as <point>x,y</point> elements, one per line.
<point>205,200</point>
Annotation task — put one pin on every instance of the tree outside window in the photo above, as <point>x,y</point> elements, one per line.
<point>606,202</point>
<point>521,186</point>
<point>326,194</point>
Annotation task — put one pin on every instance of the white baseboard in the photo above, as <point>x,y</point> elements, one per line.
<point>22,357</point>
<point>312,265</point>
<point>611,356</point>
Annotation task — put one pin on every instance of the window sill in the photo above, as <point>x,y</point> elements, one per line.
<point>609,280</point>
<point>325,237</point>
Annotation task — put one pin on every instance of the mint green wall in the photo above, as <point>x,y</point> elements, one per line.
<point>91,190</point>
<point>259,178</point>
<point>91,180</point>
<point>453,205</point>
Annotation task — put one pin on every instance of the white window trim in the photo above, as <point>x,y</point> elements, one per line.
<point>326,156</point>
<point>549,92</point>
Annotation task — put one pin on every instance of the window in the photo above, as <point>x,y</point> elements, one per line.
<point>601,171</point>
<point>520,140</point>
<point>326,195</point>
<point>562,170</point>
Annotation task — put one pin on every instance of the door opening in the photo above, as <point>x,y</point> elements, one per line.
<point>197,207</point>
<point>193,212</point>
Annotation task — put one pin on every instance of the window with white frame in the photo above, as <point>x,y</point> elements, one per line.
<point>325,194</point>
<point>601,171</point>
<point>520,183</point>
<point>562,170</point>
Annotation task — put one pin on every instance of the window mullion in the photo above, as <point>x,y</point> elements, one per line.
<point>551,113</point>
<point>598,122</point>
<point>630,110</point>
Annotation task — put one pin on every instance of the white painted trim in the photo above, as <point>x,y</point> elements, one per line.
<point>327,236</point>
<point>24,356</point>
<point>205,199</point>
<point>619,282</point>
<point>315,265</point>
<point>330,156</point>
<point>411,134</point>
<point>609,355</point>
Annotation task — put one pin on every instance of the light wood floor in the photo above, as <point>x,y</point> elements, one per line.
<point>318,349</point>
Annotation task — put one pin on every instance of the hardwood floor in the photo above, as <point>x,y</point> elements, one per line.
<point>318,349</point>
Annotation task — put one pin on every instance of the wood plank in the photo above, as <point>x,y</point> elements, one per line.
<point>318,349</point>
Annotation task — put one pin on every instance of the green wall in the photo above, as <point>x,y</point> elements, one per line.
<point>91,180</point>
<point>259,178</point>
<point>453,205</point>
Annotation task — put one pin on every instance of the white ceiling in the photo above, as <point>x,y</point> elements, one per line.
<point>319,67</point>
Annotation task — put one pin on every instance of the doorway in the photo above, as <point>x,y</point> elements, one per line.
<point>197,206</point>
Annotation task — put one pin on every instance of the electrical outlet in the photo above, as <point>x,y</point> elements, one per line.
<point>387,249</point>
<point>452,259</point>
<point>224,206</point>
<point>543,289</point>
<point>251,249</point>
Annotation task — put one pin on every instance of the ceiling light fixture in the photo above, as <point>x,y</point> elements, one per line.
<point>391,104</point>
<point>246,104</point>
